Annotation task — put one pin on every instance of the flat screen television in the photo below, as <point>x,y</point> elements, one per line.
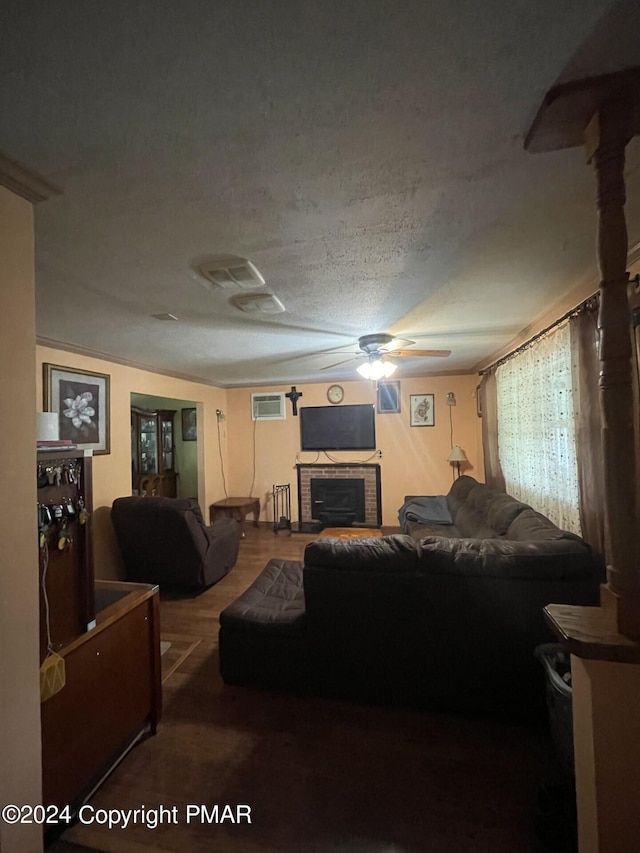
<point>338,427</point>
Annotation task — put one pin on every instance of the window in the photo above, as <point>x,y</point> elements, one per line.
<point>536,429</point>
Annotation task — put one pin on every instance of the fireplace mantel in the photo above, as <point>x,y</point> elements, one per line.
<point>369,472</point>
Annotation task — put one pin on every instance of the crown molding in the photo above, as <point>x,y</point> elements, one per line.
<point>23,182</point>
<point>136,365</point>
<point>114,359</point>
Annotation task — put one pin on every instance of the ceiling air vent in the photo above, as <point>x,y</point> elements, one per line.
<point>232,273</point>
<point>268,407</point>
<point>259,303</point>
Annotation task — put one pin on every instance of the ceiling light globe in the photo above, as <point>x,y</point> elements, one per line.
<point>376,368</point>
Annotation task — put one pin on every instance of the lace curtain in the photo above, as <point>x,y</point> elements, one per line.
<point>536,429</point>
<point>586,370</point>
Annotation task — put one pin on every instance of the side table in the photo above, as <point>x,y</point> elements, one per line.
<point>237,508</point>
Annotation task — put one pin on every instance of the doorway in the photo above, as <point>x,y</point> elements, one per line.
<point>185,442</point>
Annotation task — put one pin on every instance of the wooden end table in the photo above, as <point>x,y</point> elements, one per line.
<point>237,508</point>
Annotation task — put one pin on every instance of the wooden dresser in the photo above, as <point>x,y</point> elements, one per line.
<point>112,693</point>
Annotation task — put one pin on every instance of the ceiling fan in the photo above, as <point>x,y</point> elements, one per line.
<point>375,352</point>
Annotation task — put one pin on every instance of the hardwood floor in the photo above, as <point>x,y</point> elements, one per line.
<point>317,775</point>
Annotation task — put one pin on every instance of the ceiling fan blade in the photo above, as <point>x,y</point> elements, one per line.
<point>411,353</point>
<point>396,343</point>
<point>299,355</point>
<point>338,363</point>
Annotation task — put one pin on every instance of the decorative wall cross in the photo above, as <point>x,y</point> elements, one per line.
<point>294,396</point>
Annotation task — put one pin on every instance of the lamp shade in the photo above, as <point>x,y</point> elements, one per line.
<point>47,426</point>
<point>457,454</point>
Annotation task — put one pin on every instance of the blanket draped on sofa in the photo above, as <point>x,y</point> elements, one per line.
<point>428,509</point>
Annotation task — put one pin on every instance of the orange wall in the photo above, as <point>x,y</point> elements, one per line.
<point>19,623</point>
<point>112,472</point>
<point>413,458</point>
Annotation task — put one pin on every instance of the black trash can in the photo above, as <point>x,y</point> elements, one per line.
<point>556,818</point>
<point>557,667</point>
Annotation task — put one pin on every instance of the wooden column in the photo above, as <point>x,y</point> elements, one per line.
<point>604,114</point>
<point>607,136</point>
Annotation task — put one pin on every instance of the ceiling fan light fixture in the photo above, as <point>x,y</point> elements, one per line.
<point>376,368</point>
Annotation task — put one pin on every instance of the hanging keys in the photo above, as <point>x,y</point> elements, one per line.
<point>83,515</point>
<point>69,509</point>
<point>41,476</point>
<point>63,536</point>
<point>44,522</point>
<point>44,515</point>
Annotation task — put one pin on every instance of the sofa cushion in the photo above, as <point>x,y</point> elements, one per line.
<point>533,526</point>
<point>458,493</point>
<point>272,605</point>
<point>418,531</point>
<point>471,522</point>
<point>394,554</point>
<point>501,512</point>
<point>480,497</point>
<point>559,559</point>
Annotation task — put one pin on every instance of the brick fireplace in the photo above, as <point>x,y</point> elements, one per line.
<point>369,474</point>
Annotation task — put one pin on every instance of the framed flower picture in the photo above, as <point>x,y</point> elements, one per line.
<point>81,399</point>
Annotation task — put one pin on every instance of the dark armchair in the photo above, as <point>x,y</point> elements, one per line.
<point>165,541</point>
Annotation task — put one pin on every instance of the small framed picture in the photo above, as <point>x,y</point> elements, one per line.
<point>189,425</point>
<point>81,399</point>
<point>388,398</point>
<point>422,410</point>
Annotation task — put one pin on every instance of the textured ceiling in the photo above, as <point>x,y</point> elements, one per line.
<point>366,156</point>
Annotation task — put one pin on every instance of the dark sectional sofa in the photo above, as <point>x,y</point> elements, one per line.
<point>442,616</point>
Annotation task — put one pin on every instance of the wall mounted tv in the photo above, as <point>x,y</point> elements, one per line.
<point>338,427</point>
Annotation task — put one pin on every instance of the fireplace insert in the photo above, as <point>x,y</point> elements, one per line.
<point>338,502</point>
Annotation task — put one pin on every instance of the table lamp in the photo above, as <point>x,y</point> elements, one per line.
<point>456,456</point>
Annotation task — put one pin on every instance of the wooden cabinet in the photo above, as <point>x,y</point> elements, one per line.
<point>112,693</point>
<point>153,452</point>
<point>67,607</point>
<point>107,632</point>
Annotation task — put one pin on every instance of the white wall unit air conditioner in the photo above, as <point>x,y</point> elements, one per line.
<point>268,407</point>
